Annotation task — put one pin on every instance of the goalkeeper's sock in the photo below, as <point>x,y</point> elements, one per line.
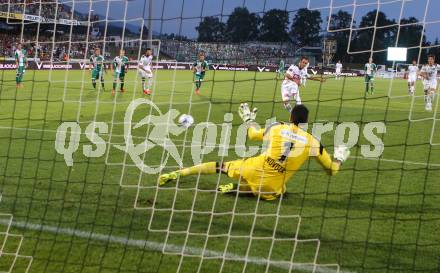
<point>17,79</point>
<point>114,85</point>
<point>122,85</point>
<point>198,84</point>
<point>102,84</point>
<point>205,168</point>
<point>94,84</point>
<point>367,87</point>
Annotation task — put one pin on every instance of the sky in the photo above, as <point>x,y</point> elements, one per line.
<point>182,16</point>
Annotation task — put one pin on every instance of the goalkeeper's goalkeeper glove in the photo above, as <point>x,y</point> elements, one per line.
<point>341,153</point>
<point>246,114</point>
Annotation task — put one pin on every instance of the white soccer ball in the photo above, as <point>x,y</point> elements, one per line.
<point>186,120</point>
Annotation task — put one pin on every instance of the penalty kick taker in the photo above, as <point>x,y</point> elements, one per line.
<point>266,175</point>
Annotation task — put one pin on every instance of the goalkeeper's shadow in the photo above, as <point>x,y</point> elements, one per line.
<point>248,195</point>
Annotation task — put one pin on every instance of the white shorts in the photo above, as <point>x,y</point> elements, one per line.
<point>144,74</point>
<point>412,79</point>
<point>430,85</point>
<point>289,90</point>
<point>338,72</point>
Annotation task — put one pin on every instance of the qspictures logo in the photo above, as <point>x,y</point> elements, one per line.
<point>204,137</point>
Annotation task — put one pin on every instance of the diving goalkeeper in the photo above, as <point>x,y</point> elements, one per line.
<point>266,175</point>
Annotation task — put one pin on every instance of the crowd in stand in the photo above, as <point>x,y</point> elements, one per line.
<point>47,9</point>
<point>184,51</point>
<point>45,49</point>
<point>187,51</point>
<point>41,49</point>
<point>10,34</point>
<point>248,53</point>
<point>46,45</point>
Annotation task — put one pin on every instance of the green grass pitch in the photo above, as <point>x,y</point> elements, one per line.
<point>374,216</point>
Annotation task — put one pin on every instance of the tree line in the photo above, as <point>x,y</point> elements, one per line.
<point>306,30</point>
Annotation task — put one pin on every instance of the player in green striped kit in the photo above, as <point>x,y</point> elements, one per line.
<point>21,63</point>
<point>370,71</point>
<point>200,67</point>
<point>97,67</point>
<point>281,68</point>
<point>120,68</point>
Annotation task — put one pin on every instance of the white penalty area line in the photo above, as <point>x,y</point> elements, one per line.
<point>160,247</point>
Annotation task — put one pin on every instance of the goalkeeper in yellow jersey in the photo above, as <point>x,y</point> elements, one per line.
<point>266,175</point>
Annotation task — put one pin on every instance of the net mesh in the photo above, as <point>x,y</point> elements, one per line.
<point>102,210</point>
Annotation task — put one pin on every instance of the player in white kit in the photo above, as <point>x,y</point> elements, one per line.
<point>305,75</point>
<point>292,81</point>
<point>145,70</point>
<point>338,71</point>
<point>413,71</point>
<point>429,74</point>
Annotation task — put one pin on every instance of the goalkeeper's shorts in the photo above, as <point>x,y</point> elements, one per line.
<point>253,180</point>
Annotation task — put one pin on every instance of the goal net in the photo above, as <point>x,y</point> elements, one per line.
<point>91,93</point>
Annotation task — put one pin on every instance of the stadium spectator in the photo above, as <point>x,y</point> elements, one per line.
<point>248,53</point>
<point>46,9</point>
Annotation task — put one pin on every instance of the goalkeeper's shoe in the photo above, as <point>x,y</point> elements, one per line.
<point>168,177</point>
<point>227,188</point>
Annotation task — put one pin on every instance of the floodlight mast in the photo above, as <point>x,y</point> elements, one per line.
<point>149,20</point>
<point>150,24</point>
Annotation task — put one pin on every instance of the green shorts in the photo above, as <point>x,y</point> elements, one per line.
<point>369,78</point>
<point>119,75</point>
<point>96,74</point>
<point>21,70</point>
<point>200,77</point>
